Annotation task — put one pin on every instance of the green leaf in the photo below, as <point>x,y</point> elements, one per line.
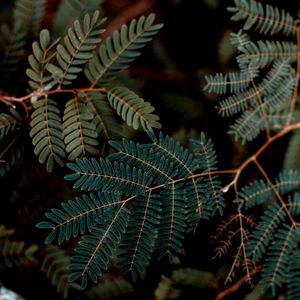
<point>120,49</point>
<point>46,133</point>
<point>133,109</point>
<point>77,49</point>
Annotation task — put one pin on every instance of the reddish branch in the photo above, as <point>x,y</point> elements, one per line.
<point>237,285</point>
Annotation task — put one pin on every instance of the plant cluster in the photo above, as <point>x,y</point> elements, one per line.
<point>138,200</point>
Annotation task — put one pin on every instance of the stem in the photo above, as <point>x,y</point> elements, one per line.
<point>278,196</point>
<point>38,94</point>
<point>237,285</point>
<point>254,157</point>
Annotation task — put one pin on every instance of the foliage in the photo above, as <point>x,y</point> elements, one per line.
<point>13,252</point>
<point>139,195</point>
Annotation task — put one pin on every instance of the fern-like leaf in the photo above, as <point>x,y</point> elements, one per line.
<point>110,288</point>
<point>14,252</point>
<point>292,155</point>
<point>11,145</point>
<point>9,123</point>
<point>46,133</point>
<point>93,175</point>
<point>261,238</point>
<point>173,222</point>
<point>162,209</point>
<point>133,109</point>
<point>222,83</point>
<point>180,156</point>
<point>277,262</point>
<point>55,265</point>
<point>293,277</point>
<point>248,126</point>
<point>185,166</point>
<point>42,54</point>
<point>71,10</point>
<point>277,86</point>
<point>259,191</point>
<point>267,20</point>
<point>239,39</point>
<point>78,46</point>
<point>11,150</point>
<point>13,43</point>
<point>207,159</point>
<point>79,131</point>
<point>107,126</point>
<point>136,249</point>
<point>120,49</point>
<point>157,166</point>
<point>263,53</point>
<point>95,249</point>
<point>30,13</point>
<point>78,216</point>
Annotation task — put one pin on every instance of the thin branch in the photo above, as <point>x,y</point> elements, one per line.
<point>278,196</point>
<point>237,285</point>
<point>254,157</point>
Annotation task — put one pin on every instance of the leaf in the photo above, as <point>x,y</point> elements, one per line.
<point>8,124</point>
<point>70,11</point>
<point>133,109</point>
<point>95,250</point>
<point>42,54</point>
<point>107,126</point>
<point>78,216</point>
<point>120,49</point>
<point>79,131</point>
<point>55,264</point>
<point>30,13</point>
<point>77,49</point>
<point>207,159</point>
<point>232,81</point>
<point>141,235</point>
<point>107,176</point>
<point>46,133</point>
<point>267,20</point>
<point>14,40</point>
<point>14,252</point>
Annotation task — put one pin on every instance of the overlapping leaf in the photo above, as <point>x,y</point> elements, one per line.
<point>80,135</point>
<point>46,133</point>
<point>77,49</point>
<point>133,109</point>
<point>42,54</point>
<point>120,49</point>
<point>267,20</point>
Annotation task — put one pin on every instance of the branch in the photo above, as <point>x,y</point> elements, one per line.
<point>237,285</point>
<point>253,158</point>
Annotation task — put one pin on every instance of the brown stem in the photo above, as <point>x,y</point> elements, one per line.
<point>237,285</point>
<point>254,157</point>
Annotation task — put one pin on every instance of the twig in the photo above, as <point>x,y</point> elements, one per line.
<point>237,285</point>
<point>254,157</point>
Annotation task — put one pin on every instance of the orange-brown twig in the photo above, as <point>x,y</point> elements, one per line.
<point>237,285</point>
